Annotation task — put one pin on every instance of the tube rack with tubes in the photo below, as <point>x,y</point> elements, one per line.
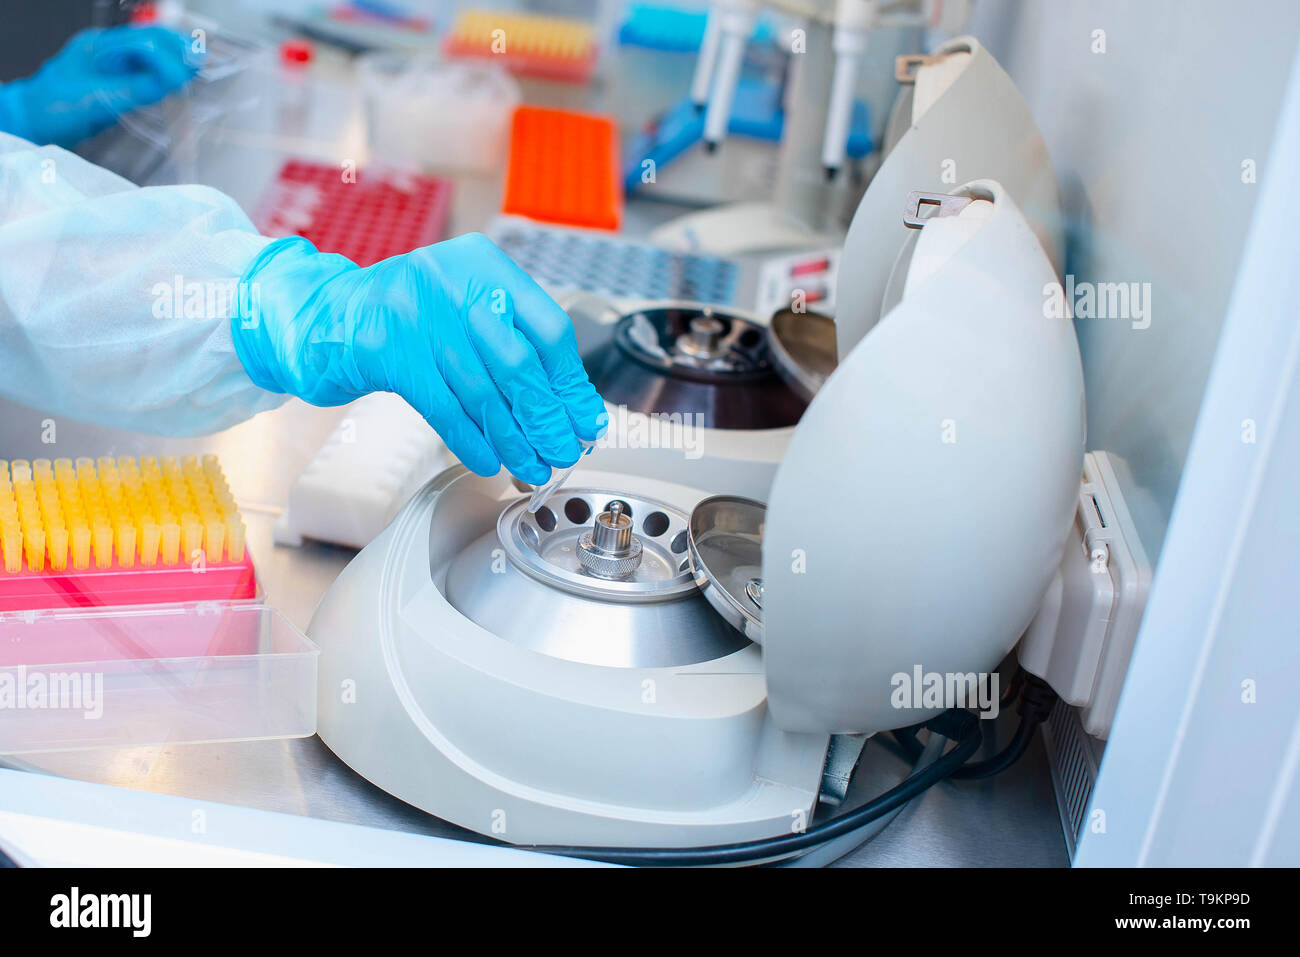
<point>119,531</point>
<point>551,48</point>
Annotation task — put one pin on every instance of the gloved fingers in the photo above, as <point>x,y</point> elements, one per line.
<point>441,409</point>
<point>548,329</point>
<point>467,443</point>
<point>478,396</point>
<point>104,104</point>
<point>129,47</point>
<point>550,332</point>
<point>157,51</point>
<point>586,409</point>
<point>80,45</point>
<point>507,439</point>
<point>130,93</point>
<point>173,73</point>
<point>384,363</point>
<point>127,94</point>
<point>517,371</point>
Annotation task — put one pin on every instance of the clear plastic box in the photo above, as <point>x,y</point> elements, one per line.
<point>147,675</point>
<point>433,116</point>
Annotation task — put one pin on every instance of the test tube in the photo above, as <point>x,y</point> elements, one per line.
<point>558,477</point>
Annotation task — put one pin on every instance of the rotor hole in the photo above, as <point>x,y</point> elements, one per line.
<point>546,519</point>
<point>655,524</point>
<point>577,511</point>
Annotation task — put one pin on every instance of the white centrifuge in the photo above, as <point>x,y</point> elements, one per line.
<point>657,659</point>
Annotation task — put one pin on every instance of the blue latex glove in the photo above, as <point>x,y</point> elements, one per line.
<point>457,329</point>
<point>97,76</point>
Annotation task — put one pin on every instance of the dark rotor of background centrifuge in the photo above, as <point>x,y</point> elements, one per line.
<point>728,378</point>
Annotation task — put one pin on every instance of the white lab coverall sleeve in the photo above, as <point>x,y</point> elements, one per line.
<point>116,300</point>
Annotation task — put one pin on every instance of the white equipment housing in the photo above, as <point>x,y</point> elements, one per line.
<point>532,748</point>
<point>1082,638</point>
<point>972,124</point>
<point>919,551</point>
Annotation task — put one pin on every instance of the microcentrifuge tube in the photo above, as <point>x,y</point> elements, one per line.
<point>558,478</point>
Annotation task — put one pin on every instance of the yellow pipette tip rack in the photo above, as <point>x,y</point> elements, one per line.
<point>554,48</point>
<point>120,529</point>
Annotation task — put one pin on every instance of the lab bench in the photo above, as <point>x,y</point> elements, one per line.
<point>1009,820</point>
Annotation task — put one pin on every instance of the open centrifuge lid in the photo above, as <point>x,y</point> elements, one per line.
<point>725,540</point>
<point>923,503</point>
<point>801,346</point>
<point>979,125</point>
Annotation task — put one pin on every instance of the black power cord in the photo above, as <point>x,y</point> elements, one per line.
<point>956,725</point>
<point>1013,690</point>
<point>1036,699</point>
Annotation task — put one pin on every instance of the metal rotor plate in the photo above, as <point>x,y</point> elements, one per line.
<point>545,545</point>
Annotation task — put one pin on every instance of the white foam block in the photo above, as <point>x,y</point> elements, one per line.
<point>376,458</point>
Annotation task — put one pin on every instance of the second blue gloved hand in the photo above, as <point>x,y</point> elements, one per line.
<point>457,329</point>
<point>98,76</point>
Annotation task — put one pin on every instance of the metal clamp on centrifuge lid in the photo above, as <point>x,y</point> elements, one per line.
<point>725,542</point>
<point>922,206</point>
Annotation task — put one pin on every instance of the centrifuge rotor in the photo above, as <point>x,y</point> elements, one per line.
<point>601,544</point>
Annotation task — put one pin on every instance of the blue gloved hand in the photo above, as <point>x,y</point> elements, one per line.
<point>457,329</point>
<point>97,76</point>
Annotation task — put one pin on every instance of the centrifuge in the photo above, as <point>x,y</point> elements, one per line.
<point>671,651</point>
<point>719,381</point>
<point>694,360</point>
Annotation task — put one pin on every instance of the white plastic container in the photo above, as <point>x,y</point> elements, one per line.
<point>376,458</point>
<point>432,116</point>
<point>159,674</point>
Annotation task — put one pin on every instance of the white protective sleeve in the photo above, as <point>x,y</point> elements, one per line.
<point>115,300</point>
